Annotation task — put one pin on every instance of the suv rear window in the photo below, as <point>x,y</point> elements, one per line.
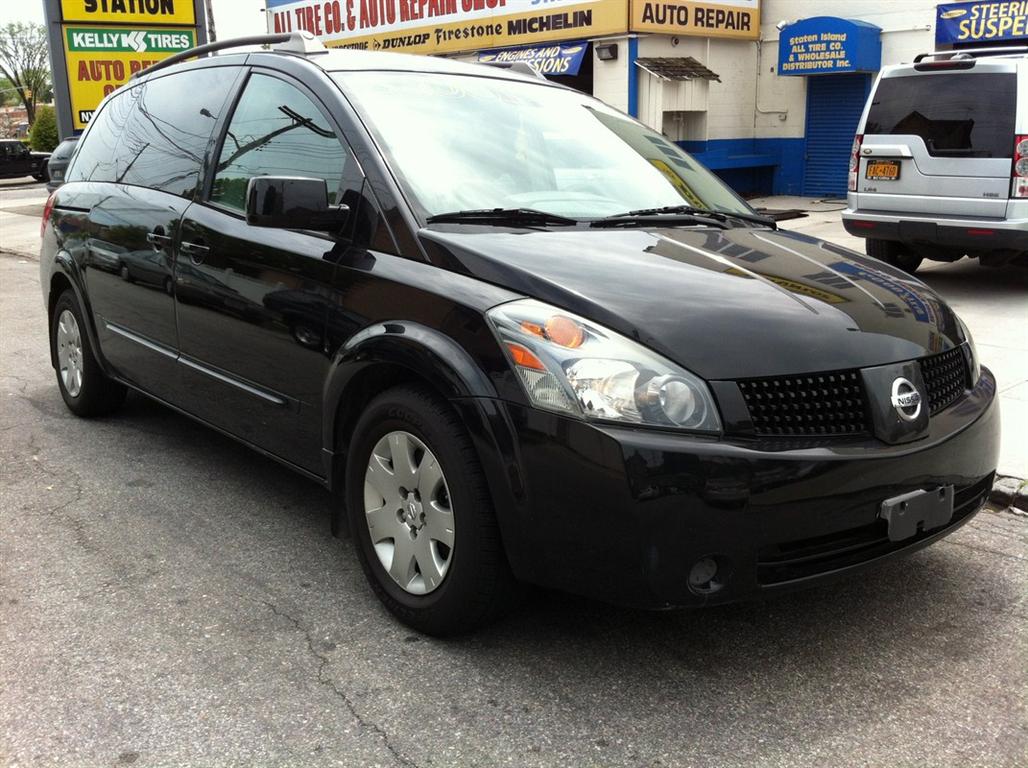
<point>956,114</point>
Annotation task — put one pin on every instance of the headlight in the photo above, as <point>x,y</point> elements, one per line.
<point>573,366</point>
<point>976,366</point>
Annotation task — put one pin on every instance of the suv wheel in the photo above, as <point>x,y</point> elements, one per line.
<point>86,390</point>
<point>421,516</point>
<point>893,253</point>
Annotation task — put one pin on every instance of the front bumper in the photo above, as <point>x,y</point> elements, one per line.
<point>622,514</point>
<point>951,232</point>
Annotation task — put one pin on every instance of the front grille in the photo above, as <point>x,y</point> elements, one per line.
<point>835,403</point>
<point>945,377</point>
<point>816,404</point>
<point>799,559</point>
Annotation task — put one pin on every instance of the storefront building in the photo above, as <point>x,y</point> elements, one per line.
<point>767,93</point>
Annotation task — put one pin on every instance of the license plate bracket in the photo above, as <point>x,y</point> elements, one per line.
<point>882,170</point>
<point>916,511</point>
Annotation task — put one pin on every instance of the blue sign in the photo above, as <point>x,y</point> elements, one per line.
<point>562,59</point>
<point>919,309</point>
<point>982,21</point>
<point>825,45</point>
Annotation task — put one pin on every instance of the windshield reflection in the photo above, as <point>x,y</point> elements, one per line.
<point>461,142</point>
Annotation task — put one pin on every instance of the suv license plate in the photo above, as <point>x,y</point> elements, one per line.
<point>882,170</point>
<point>917,511</point>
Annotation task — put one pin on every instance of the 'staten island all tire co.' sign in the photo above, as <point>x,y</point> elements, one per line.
<point>105,42</point>
<point>450,26</point>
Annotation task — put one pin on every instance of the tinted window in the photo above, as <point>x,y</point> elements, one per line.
<point>156,134</point>
<point>97,159</point>
<point>957,115</point>
<point>276,131</point>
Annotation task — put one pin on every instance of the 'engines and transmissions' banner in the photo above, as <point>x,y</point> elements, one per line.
<point>448,26</point>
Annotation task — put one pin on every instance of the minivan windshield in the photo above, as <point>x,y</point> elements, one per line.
<point>965,114</point>
<point>459,143</point>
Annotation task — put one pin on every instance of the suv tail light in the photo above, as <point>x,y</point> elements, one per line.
<point>855,162</point>
<point>47,210</point>
<point>1019,182</point>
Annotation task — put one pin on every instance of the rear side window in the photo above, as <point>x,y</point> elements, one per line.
<point>156,134</point>
<point>277,131</point>
<point>956,114</point>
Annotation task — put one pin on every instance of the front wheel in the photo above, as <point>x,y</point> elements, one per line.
<point>86,390</point>
<point>421,517</point>
<point>893,253</point>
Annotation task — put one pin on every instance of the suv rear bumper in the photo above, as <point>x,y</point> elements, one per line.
<point>973,235</point>
<point>622,514</point>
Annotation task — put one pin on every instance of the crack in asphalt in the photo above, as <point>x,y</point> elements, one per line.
<point>326,681</point>
<point>984,550</point>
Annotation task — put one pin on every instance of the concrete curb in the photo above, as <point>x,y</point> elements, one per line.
<point>1010,492</point>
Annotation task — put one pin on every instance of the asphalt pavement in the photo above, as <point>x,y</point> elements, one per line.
<point>168,597</point>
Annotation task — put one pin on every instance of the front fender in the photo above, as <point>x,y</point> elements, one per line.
<point>431,355</point>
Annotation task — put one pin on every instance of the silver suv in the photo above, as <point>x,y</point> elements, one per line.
<point>939,167</point>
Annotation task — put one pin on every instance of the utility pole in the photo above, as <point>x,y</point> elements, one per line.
<point>211,35</point>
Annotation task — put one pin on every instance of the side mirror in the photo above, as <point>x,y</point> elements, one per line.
<point>288,202</point>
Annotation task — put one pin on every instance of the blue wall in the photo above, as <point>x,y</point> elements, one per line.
<point>753,166</point>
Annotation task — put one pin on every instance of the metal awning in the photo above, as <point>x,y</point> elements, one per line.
<point>682,68</point>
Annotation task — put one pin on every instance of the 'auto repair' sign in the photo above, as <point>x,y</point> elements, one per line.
<point>449,26</point>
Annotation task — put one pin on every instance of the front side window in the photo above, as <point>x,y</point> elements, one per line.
<point>461,142</point>
<point>276,131</point>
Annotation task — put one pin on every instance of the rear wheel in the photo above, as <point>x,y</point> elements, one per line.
<point>893,253</point>
<point>86,390</point>
<point>421,517</point>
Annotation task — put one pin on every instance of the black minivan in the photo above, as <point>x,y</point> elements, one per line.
<point>528,339</point>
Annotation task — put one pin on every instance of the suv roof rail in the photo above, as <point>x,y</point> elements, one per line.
<point>288,42</point>
<point>973,53</point>
<point>521,67</point>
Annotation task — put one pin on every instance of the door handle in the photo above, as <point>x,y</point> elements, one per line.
<point>197,252</point>
<point>157,240</point>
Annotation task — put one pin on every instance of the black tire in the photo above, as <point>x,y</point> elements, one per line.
<point>98,395</point>
<point>893,253</point>
<point>478,586</point>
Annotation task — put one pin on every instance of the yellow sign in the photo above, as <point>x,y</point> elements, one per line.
<point>725,18</point>
<point>149,12</point>
<point>446,26</point>
<point>100,59</point>
<point>794,286</point>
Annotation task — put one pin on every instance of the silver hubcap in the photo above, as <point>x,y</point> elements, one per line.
<point>407,506</point>
<point>69,352</point>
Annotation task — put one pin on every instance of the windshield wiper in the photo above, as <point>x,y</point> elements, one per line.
<point>526,217</point>
<point>670,212</point>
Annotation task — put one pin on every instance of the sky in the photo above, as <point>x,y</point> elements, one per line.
<point>232,18</point>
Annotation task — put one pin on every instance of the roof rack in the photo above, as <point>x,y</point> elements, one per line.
<point>973,53</point>
<point>288,42</point>
<point>520,67</point>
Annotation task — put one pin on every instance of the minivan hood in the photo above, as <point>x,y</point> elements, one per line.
<point>725,304</point>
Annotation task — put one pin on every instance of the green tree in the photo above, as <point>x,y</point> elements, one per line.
<point>25,63</point>
<point>43,134</point>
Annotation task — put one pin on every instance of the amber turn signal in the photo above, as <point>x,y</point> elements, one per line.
<point>565,331</point>
<point>524,357</point>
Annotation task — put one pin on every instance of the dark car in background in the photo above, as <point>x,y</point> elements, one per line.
<point>59,160</point>
<point>594,370</point>
<point>17,160</point>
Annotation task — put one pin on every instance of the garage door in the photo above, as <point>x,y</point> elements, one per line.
<point>834,105</point>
